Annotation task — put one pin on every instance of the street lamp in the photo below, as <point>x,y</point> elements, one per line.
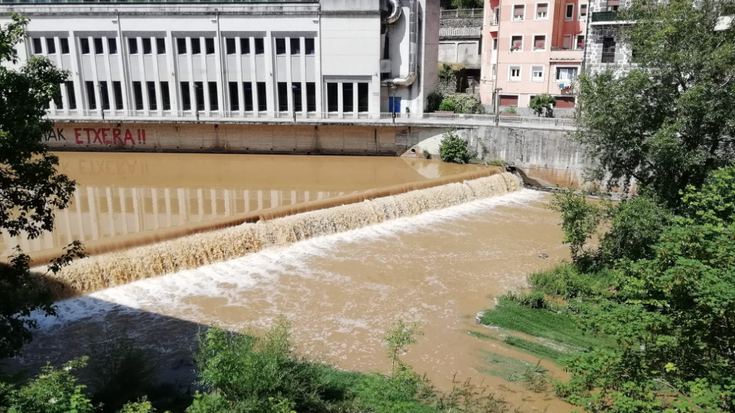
<point>393,90</point>
<point>294,89</point>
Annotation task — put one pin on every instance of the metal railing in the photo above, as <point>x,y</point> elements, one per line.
<point>460,32</point>
<point>461,13</point>
<point>227,116</point>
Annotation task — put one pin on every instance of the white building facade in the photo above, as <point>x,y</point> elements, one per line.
<point>246,60</point>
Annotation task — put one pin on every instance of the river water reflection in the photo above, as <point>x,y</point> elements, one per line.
<point>124,195</point>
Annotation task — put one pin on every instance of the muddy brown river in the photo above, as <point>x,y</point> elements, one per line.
<point>342,291</point>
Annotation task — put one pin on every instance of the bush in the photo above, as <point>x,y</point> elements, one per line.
<point>543,104</point>
<point>511,110</point>
<point>453,149</point>
<point>568,283</point>
<point>533,300</point>
<point>464,103</point>
<point>434,101</point>
<point>448,106</point>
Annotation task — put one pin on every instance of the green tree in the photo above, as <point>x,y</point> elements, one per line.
<point>30,185</point>
<point>671,119</point>
<point>467,4</point>
<point>579,219</point>
<point>453,149</point>
<point>543,105</point>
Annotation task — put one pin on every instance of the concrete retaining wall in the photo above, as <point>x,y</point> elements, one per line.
<point>305,139</point>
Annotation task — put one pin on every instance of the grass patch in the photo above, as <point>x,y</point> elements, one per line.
<point>481,336</point>
<point>538,350</point>
<point>541,323</point>
<point>507,368</point>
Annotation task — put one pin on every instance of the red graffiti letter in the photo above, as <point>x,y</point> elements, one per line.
<point>104,136</point>
<point>87,130</point>
<point>77,135</point>
<point>97,137</point>
<point>129,136</point>
<point>116,136</point>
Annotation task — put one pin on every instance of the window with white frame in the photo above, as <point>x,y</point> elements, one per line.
<point>542,11</point>
<point>582,11</point>
<point>516,43</point>
<point>495,43</point>
<point>579,45</point>
<point>537,73</point>
<point>519,12</point>
<point>514,73</point>
<point>539,42</point>
<point>569,14</point>
<point>567,43</point>
<point>566,74</point>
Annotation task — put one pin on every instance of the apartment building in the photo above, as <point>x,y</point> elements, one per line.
<point>531,48</point>
<point>246,59</point>
<point>604,50</point>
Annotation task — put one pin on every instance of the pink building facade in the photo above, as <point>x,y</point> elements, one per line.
<point>532,47</point>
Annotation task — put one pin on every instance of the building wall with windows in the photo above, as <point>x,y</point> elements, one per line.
<point>538,47</point>
<point>224,60</point>
<point>605,51</point>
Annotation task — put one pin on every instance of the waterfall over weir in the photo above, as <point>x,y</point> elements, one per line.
<point>118,268</point>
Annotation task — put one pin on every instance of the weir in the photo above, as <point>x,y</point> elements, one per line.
<point>276,228</point>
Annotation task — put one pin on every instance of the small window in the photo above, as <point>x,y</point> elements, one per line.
<point>514,73</point>
<point>348,93</point>
<point>311,97</point>
<point>567,43</point>
<point>295,46</point>
<point>565,73</point>
<point>147,46</point>
<point>363,98</point>
<point>181,45</point>
<point>332,97</point>
<point>580,42</point>
<point>537,73</point>
<point>283,96</point>
<point>165,96</point>
<point>196,46</point>
<point>539,42</point>
<point>309,46</point>
<point>117,88</point>
<point>230,48</point>
<point>280,46</point>
<point>64,45</point>
<point>262,97</point>
<point>112,45</point>
<point>245,45</point>
<point>71,95</point>
<point>519,11</point>
<point>185,95</point>
<point>152,101</point>
<point>569,12</point>
<point>133,45</point>
<point>91,97</point>
<point>495,43</point>
<point>209,44</point>
<point>104,95</point>
<point>234,96</point>
<point>84,45</point>
<point>542,11</point>
<point>259,47</point>
<point>138,95</point>
<point>247,89</point>
<point>297,103</point>
<point>582,11</point>
<point>161,45</point>
<point>213,96</point>
<point>199,95</point>
<point>98,46</point>
<point>37,45</point>
<point>50,45</point>
<point>608,50</point>
<point>516,43</point>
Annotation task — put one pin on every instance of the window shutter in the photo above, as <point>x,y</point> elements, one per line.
<point>542,8</point>
<point>613,2</point>
<point>540,42</point>
<point>517,43</point>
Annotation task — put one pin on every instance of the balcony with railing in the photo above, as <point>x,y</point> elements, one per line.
<point>461,14</point>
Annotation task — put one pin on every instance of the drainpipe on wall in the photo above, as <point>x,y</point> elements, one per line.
<point>497,59</point>
<point>412,54</point>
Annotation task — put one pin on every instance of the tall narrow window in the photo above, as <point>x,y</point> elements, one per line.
<point>495,43</point>
<point>296,91</point>
<point>259,45</point>
<point>138,95</point>
<point>245,45</point>
<point>196,45</point>
<point>363,100</point>
<point>230,45</point>
<point>117,88</point>
<point>247,89</point>
<point>262,97</point>
<point>213,96</point>
<point>152,101</point>
<point>569,14</point>
<point>348,94</point>
<point>71,95</point>
<point>147,46</point>
<point>209,45</point>
<point>283,96</point>
<point>104,95</point>
<point>98,49</point>
<point>332,97</point>
<point>199,95</point>
<point>281,46</point>
<point>91,98</point>
<point>311,97</point>
<point>295,45</point>
<point>567,42</point>
<point>84,45</point>
<point>37,45</point>
<point>133,45</point>
<point>580,42</point>
<point>64,45</point>
<point>309,46</point>
<point>58,101</point>
<point>50,45</point>
<point>165,96</point>
<point>185,96</point>
<point>181,45</point>
<point>112,45</point>
<point>161,45</point>
<point>234,96</point>
<point>608,50</point>
<point>582,11</point>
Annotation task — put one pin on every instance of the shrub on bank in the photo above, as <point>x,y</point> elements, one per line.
<point>462,103</point>
<point>453,149</point>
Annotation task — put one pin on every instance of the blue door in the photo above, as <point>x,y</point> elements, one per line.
<point>394,105</point>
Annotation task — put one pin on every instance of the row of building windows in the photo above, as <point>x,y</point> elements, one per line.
<point>517,43</point>
<point>563,74</point>
<point>542,12</point>
<point>197,100</point>
<point>146,45</point>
